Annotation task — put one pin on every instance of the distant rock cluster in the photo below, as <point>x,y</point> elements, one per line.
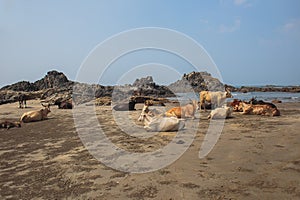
<point>267,88</point>
<point>55,86</point>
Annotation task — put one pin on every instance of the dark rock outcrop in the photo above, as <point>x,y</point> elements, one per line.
<point>24,86</point>
<point>196,82</point>
<point>147,87</point>
<point>50,88</point>
<point>53,79</point>
<point>144,82</point>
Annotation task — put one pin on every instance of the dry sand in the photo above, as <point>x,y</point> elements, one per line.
<point>256,157</point>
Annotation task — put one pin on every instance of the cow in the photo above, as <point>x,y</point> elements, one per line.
<point>260,109</point>
<point>254,101</point>
<point>154,103</point>
<point>153,122</point>
<point>236,105</point>
<point>22,100</point>
<point>37,115</point>
<point>187,111</point>
<point>125,106</point>
<point>9,124</point>
<point>64,104</point>
<point>220,113</point>
<point>215,98</point>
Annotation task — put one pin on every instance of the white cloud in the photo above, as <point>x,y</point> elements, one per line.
<point>204,21</point>
<point>239,2</point>
<point>244,3</point>
<point>292,25</point>
<point>230,29</point>
<point>287,33</point>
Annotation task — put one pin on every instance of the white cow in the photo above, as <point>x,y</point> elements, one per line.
<point>220,113</point>
<point>159,123</point>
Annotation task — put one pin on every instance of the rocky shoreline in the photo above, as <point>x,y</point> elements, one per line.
<point>267,88</point>
<point>56,86</point>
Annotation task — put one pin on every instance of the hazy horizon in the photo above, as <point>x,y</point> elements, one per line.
<point>251,42</point>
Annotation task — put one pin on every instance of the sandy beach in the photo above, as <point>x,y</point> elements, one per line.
<point>256,157</point>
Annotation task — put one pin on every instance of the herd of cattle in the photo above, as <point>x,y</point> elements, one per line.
<point>171,120</point>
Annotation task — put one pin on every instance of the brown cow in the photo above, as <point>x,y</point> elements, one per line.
<point>236,105</point>
<point>9,124</point>
<point>187,111</point>
<point>260,109</point>
<point>37,115</point>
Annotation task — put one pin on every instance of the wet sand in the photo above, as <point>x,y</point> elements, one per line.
<point>256,157</point>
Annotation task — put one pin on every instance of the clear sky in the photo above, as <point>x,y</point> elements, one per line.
<point>252,42</point>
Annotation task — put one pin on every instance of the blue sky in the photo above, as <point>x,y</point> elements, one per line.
<point>252,42</point>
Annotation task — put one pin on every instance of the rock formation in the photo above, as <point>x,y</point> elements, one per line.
<point>196,82</point>
<point>55,86</point>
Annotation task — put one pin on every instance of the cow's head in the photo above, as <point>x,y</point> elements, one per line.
<point>144,112</point>
<point>46,109</point>
<point>228,93</point>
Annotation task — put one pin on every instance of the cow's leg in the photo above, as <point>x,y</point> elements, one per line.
<point>204,106</point>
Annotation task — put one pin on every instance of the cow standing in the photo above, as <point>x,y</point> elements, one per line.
<point>22,100</point>
<point>215,98</point>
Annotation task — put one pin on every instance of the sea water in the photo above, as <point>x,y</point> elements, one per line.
<point>265,96</point>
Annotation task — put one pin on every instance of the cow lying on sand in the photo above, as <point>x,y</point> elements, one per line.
<point>187,111</point>
<point>260,109</point>
<point>37,115</point>
<point>9,124</point>
<point>154,122</point>
<point>154,103</point>
<point>125,106</point>
<point>64,104</point>
<point>237,105</point>
<point>215,98</point>
<point>256,107</point>
<point>220,113</point>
